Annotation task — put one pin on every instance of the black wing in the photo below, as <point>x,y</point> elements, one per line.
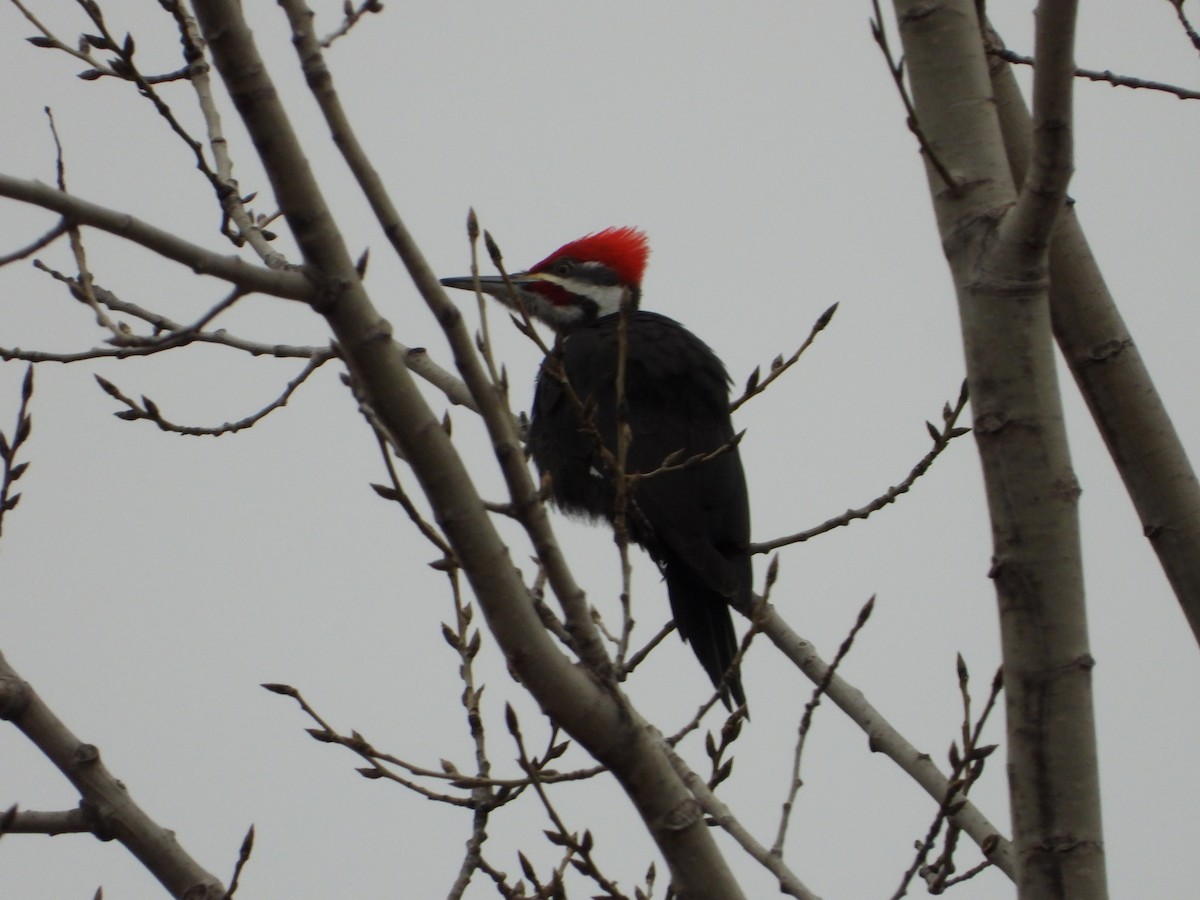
<point>694,523</point>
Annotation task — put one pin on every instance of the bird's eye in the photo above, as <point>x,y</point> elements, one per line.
<point>562,269</point>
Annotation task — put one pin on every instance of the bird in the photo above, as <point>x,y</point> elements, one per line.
<point>692,520</point>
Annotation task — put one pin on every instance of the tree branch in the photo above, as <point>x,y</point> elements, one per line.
<point>995,240</point>
<point>1105,76</point>
<point>1112,377</point>
<point>883,738</point>
<point>106,801</point>
<point>288,284</point>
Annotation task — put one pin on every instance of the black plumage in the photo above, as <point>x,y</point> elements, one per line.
<point>695,522</point>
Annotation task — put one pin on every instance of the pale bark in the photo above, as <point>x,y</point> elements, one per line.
<point>275,282</point>
<point>1113,379</point>
<point>882,737</point>
<point>995,238</point>
<point>105,802</point>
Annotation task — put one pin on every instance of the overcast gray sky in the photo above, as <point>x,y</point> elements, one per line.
<point>151,582</point>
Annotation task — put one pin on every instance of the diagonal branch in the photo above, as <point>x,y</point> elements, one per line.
<point>497,417</point>
<point>883,737</point>
<point>288,284</point>
<point>941,440</point>
<point>594,714</point>
<point>107,802</point>
<point>147,409</point>
<point>37,244</point>
<point>1112,377</point>
<point>1106,76</point>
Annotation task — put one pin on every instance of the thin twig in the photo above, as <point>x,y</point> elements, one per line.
<point>637,658</point>
<point>884,738</point>
<point>761,603</point>
<point>60,228</point>
<point>447,772</point>
<point>673,463</point>
<point>8,449</point>
<point>196,71</point>
<point>221,181</point>
<point>622,484</point>
<point>484,338</point>
<point>1187,25</point>
<point>243,857</point>
<point>576,846</point>
<point>418,361</point>
<point>355,742</point>
<point>721,815</point>
<point>76,239</point>
<point>466,642</point>
<point>147,409</point>
<point>47,41</point>
<point>1105,76</point>
<point>879,33</point>
<point>966,767</point>
<point>250,229</point>
<point>941,440</point>
<point>353,15</point>
<point>397,493</point>
<point>810,708</point>
<point>779,365</point>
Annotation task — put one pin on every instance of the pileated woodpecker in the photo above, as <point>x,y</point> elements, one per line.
<point>693,521</point>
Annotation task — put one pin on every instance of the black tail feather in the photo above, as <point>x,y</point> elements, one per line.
<point>703,620</point>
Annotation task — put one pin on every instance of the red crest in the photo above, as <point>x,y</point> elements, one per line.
<point>624,250</point>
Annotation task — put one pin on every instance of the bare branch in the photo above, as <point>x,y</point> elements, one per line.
<point>286,283</point>
<point>148,409</point>
<point>466,643</point>
<point>1187,25</point>
<point>810,708</point>
<point>85,276</point>
<point>941,440</point>
<point>997,254</point>
<point>755,386</point>
<point>966,768</point>
<point>8,449</point>
<point>788,882</point>
<point>353,15</point>
<point>879,33</point>
<point>46,239</point>
<point>635,659</point>
<point>31,821</point>
<point>397,493</point>
<point>884,738</point>
<point>1024,234</point>
<point>378,761</point>
<point>577,847</point>
<point>243,857</point>
<point>1113,378</point>
<point>48,41</point>
<point>1105,76</point>
<point>250,230</point>
<point>107,802</point>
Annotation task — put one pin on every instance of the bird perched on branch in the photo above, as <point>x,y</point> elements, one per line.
<point>692,515</point>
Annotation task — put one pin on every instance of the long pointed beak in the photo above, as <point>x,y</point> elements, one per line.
<point>493,285</point>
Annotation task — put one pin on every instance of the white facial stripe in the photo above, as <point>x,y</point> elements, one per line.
<point>607,297</point>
